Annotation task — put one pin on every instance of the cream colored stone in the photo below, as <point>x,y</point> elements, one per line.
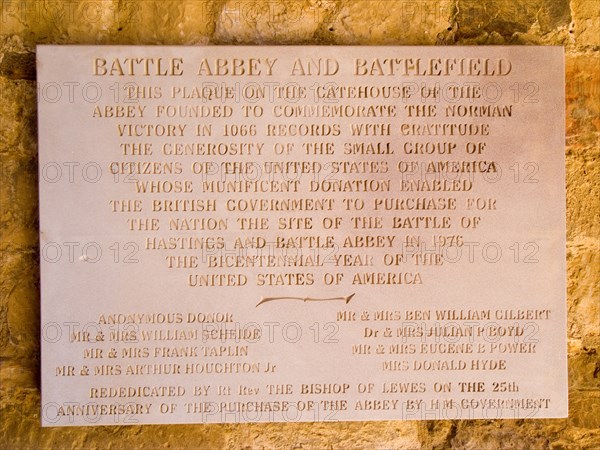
<point>75,212</point>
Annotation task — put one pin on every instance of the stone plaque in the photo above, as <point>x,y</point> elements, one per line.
<point>274,234</point>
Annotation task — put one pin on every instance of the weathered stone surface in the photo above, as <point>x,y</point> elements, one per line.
<point>492,435</point>
<point>582,91</point>
<point>438,434</point>
<point>510,19</point>
<point>269,22</point>
<point>383,22</point>
<point>72,22</point>
<point>586,23</point>
<point>19,410</point>
<point>22,305</point>
<point>18,169</point>
<point>584,409</point>
<point>584,368</point>
<point>23,24</point>
<point>19,224</point>
<point>583,289</point>
<point>167,22</point>
<point>583,145</point>
<point>18,66</point>
<point>18,130</point>
<point>348,435</point>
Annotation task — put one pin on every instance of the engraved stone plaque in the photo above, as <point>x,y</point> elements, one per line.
<point>274,234</point>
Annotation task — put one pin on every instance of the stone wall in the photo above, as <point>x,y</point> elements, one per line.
<point>574,24</point>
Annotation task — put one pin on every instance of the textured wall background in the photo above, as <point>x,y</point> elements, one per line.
<point>574,24</point>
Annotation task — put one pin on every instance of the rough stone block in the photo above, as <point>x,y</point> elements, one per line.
<point>69,22</point>
<point>274,22</point>
<point>385,22</point>
<point>586,23</point>
<point>510,17</point>
<point>166,22</point>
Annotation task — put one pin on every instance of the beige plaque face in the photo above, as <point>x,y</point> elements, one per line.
<point>280,234</point>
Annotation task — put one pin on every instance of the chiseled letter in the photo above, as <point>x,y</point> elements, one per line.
<point>100,66</point>
<point>360,66</point>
